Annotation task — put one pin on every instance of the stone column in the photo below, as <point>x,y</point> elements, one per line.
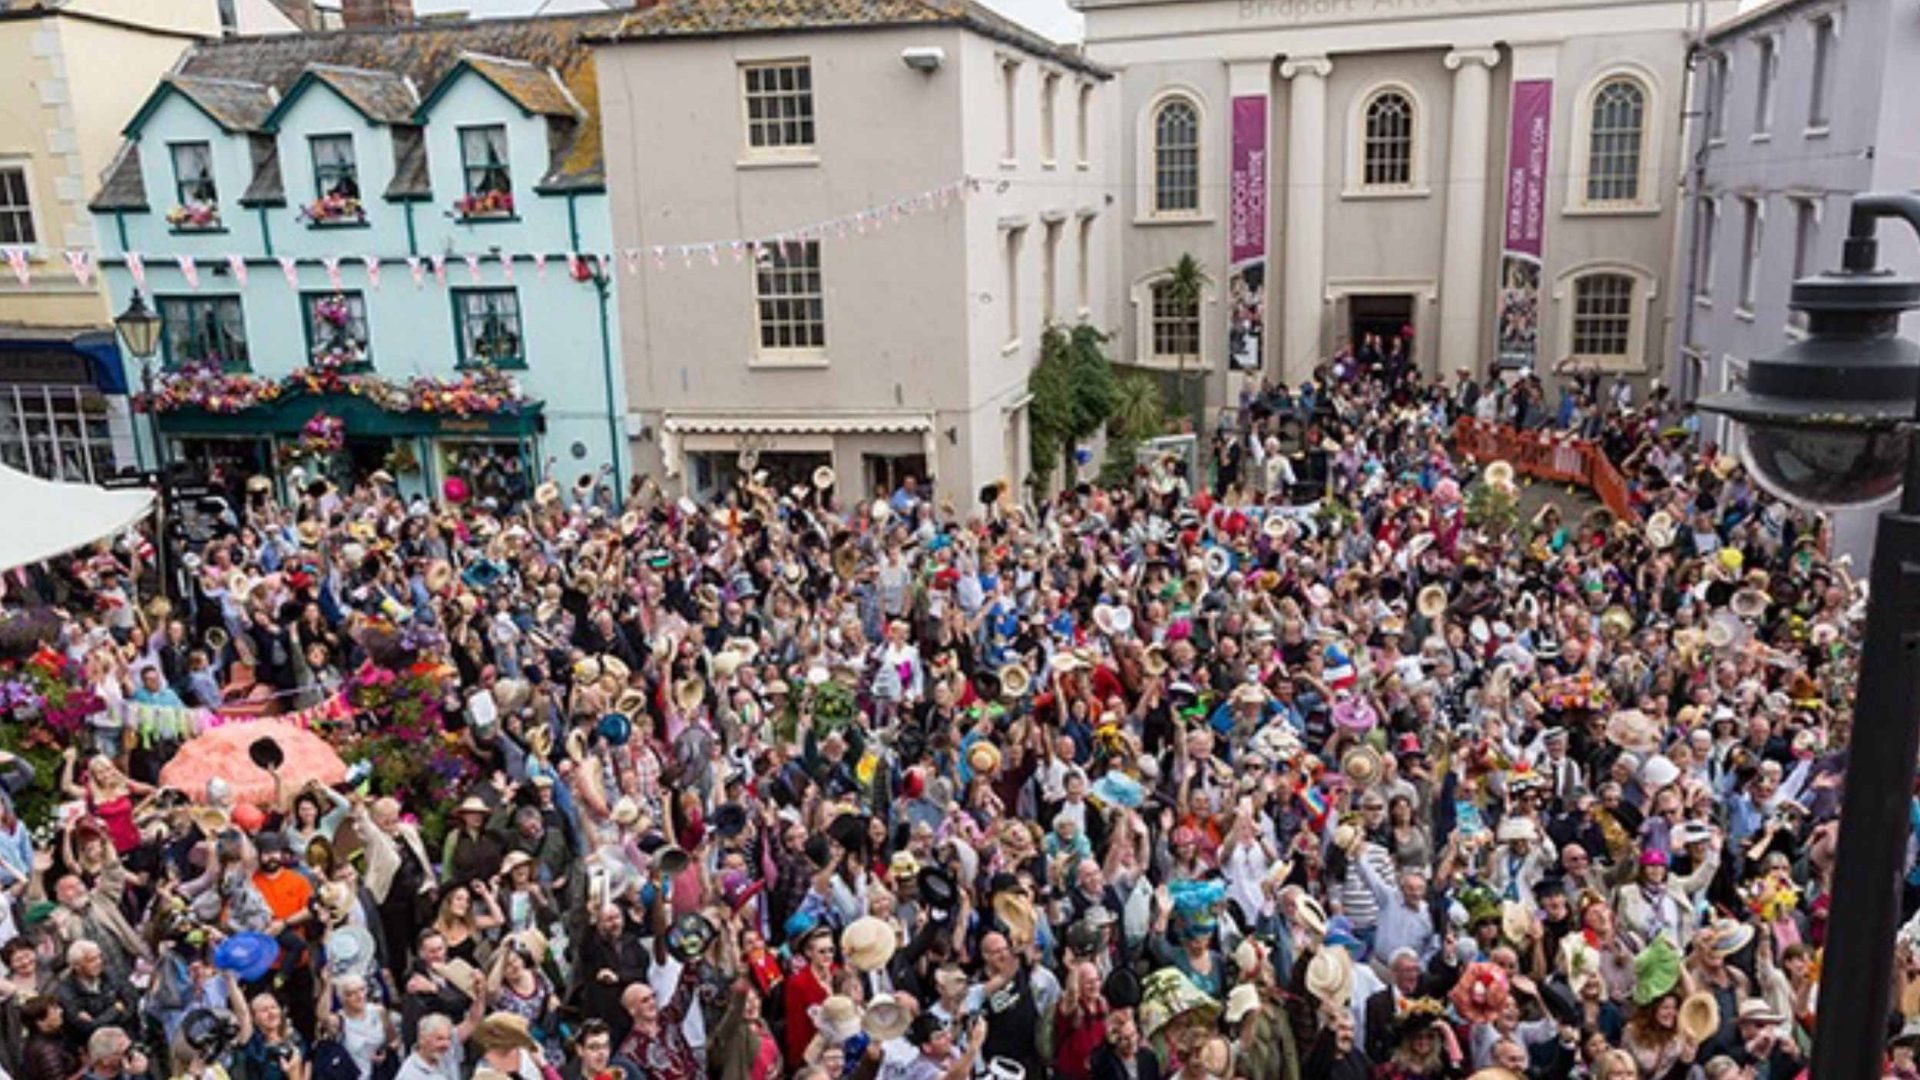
<point>1463,298</point>
<point>1305,239</point>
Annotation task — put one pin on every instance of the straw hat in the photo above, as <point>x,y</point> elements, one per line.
<point>1516,922</point>
<point>688,693</point>
<point>886,1020</point>
<point>1699,1018</point>
<point>1749,603</point>
<point>1361,765</point>
<point>868,943</point>
<point>726,662</point>
<point>1015,680</point>
<point>439,575</point>
<point>823,477</point>
<point>1274,526</point>
<point>983,757</point>
<point>1432,601</point>
<point>1633,731</point>
<point>1310,915</point>
<point>1499,474</point>
<point>1330,977</point>
<point>837,1018</point>
<point>1660,529</point>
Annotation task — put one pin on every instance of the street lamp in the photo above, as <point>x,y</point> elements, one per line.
<point>139,331</point>
<point>1830,422</point>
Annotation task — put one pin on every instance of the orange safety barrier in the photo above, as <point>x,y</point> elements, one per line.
<point>1553,456</point>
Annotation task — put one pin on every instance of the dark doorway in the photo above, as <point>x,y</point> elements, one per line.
<point>1384,317</point>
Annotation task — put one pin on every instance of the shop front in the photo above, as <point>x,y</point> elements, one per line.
<point>63,405</point>
<point>869,454</point>
<point>346,438</point>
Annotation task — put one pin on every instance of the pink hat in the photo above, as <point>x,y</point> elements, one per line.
<point>1353,713</point>
<point>1653,857</point>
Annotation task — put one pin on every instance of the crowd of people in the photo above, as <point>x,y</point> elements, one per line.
<point>1425,776</point>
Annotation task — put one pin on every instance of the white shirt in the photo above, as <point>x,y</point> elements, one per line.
<point>665,979</point>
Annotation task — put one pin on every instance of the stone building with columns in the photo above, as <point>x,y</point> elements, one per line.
<point>1496,180</point>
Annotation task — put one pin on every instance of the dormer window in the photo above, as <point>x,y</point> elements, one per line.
<point>336,182</point>
<point>198,199</point>
<point>483,160</point>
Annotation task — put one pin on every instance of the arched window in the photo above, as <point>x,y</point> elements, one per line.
<point>1616,141</point>
<point>1388,155</point>
<point>1176,158</point>
<point>1603,316</point>
<point>1176,323</point>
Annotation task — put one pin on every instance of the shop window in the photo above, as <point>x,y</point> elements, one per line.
<point>56,432</point>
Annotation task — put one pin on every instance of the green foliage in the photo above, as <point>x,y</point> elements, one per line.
<point>1186,281</point>
<point>1493,509</point>
<point>1074,391</point>
<point>1139,412</point>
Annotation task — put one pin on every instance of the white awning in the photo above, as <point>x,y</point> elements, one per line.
<point>815,424</point>
<point>46,518</point>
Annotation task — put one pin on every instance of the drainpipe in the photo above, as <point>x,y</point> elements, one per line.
<point>1694,182</point>
<point>266,230</point>
<point>413,247</point>
<point>602,289</point>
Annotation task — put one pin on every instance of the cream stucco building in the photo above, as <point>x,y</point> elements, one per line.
<point>843,228</point>
<point>1499,176</point>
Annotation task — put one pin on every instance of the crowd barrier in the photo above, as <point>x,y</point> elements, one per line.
<point>1554,456</point>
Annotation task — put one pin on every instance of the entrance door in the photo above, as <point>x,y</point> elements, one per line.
<point>1384,317</point>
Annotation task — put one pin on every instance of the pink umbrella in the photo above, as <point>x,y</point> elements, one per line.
<point>222,752</point>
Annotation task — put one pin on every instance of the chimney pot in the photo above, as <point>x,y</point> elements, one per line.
<point>356,13</point>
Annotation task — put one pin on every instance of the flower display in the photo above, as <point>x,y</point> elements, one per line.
<point>333,209</point>
<point>323,434</point>
<point>484,204</point>
<point>481,392</point>
<point>207,387</point>
<point>194,215</point>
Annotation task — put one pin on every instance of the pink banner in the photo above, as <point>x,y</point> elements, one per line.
<point>1529,130</point>
<point>1527,165</point>
<point>1249,178</point>
<point>1248,225</point>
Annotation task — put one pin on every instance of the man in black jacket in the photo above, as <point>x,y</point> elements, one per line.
<point>1124,1056</point>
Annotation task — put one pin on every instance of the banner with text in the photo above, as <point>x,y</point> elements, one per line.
<point>1248,224</point>
<point>1528,132</point>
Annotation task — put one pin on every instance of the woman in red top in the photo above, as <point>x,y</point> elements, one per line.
<point>109,796</point>
<point>808,987</point>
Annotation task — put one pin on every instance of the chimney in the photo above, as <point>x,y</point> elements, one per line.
<point>357,13</point>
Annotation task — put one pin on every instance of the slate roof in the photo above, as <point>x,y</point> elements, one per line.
<point>386,71</point>
<point>234,104</point>
<point>381,96</point>
<point>715,18</point>
<point>534,89</point>
<point>122,189</point>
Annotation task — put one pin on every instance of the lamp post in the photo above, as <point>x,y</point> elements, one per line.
<point>139,330</point>
<point>1830,422</point>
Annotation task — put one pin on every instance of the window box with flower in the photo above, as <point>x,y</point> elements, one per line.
<point>485,206</point>
<point>195,217</point>
<point>335,210</point>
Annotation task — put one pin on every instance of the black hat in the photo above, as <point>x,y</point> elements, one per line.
<point>849,830</point>
<point>818,853</point>
<point>935,886</point>
<point>690,935</point>
<point>729,819</point>
<point>266,753</point>
<point>1121,988</point>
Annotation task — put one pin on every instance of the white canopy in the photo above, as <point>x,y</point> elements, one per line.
<point>43,518</point>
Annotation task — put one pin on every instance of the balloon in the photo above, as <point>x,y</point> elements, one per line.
<point>249,817</point>
<point>455,489</point>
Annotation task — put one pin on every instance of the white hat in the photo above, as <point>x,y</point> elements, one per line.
<point>1242,1000</point>
<point>1658,772</point>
